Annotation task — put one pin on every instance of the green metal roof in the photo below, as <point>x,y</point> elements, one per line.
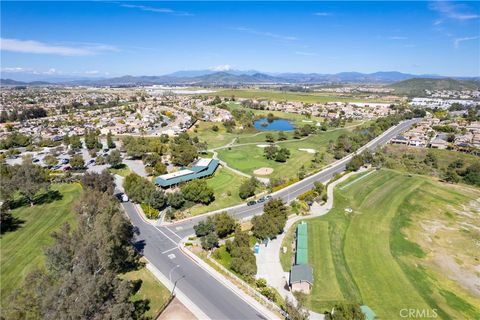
<point>302,228</point>
<point>197,172</point>
<point>301,255</point>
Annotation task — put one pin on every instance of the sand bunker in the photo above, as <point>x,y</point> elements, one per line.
<point>263,171</point>
<point>262,145</point>
<point>308,150</point>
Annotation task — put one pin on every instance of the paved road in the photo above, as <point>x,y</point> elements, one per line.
<point>159,244</point>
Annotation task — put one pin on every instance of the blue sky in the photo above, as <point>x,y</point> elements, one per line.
<point>153,38</point>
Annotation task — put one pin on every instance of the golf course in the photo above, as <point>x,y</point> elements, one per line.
<point>409,242</point>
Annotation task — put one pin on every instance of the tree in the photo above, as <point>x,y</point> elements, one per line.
<point>282,136</point>
<point>224,224</point>
<point>50,160</point>
<point>138,188</point>
<point>198,191</point>
<point>159,168</point>
<point>282,155</point>
<point>114,158</point>
<point>472,174</point>
<point>110,143</point>
<point>204,227</point>
<point>176,200</point>
<point>243,260</point>
<point>345,311</point>
<point>77,162</point>
<point>247,188</point>
<point>451,176</point>
<point>102,182</point>
<point>295,312</point>
<point>215,128</point>
<point>81,278</point>
<point>269,138</point>
<point>356,162</point>
<point>156,199</point>
<point>183,154</point>
<point>29,179</point>
<point>272,221</point>
<point>270,152</point>
<point>209,241</point>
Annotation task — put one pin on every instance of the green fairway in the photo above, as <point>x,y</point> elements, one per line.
<point>364,256</point>
<point>22,249</point>
<point>290,96</point>
<point>225,184</point>
<point>248,158</point>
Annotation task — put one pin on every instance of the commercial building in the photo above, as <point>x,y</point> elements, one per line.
<point>200,169</point>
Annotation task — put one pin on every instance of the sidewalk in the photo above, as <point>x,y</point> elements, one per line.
<point>268,258</point>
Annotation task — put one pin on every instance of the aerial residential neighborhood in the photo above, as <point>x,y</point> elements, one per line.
<point>239,160</point>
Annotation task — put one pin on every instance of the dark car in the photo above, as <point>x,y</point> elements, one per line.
<point>66,168</point>
<point>35,160</point>
<point>251,203</point>
<point>262,199</point>
<point>269,197</point>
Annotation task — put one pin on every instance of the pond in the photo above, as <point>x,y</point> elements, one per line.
<point>277,124</point>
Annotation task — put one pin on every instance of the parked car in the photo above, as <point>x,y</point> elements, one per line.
<point>269,197</point>
<point>66,168</point>
<point>58,166</point>
<point>35,160</point>
<point>105,150</point>
<point>124,198</point>
<point>91,162</point>
<point>64,161</point>
<point>251,202</point>
<point>262,199</point>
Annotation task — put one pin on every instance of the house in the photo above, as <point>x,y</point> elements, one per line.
<point>301,275</point>
<point>399,140</point>
<point>301,278</point>
<point>203,167</point>
<point>438,143</point>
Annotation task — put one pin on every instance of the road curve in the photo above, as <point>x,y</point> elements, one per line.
<point>159,244</point>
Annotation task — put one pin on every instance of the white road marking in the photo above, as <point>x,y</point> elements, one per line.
<point>359,178</point>
<point>173,233</point>
<point>166,251</point>
<point>171,256</point>
<point>179,228</point>
<point>167,236</point>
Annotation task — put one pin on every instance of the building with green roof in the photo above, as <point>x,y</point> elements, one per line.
<point>201,168</point>
<point>301,275</point>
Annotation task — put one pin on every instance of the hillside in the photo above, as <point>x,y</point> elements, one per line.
<point>417,86</point>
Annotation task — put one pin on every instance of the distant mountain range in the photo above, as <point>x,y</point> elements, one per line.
<point>236,77</point>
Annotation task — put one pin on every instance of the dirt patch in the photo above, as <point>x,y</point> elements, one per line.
<point>176,311</point>
<point>263,171</point>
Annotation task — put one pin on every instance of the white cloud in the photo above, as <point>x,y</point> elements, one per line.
<point>452,11</point>
<point>36,47</point>
<point>322,14</point>
<point>16,69</point>
<point>157,10</point>
<point>92,72</point>
<point>458,41</point>
<point>397,38</point>
<point>266,34</point>
<point>223,67</point>
<point>303,53</point>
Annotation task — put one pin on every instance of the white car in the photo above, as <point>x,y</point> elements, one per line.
<point>124,198</point>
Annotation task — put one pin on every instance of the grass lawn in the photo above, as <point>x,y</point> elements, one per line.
<point>364,256</point>
<point>150,289</point>
<point>22,249</point>
<point>248,158</point>
<point>288,96</point>
<point>122,171</point>
<point>225,184</point>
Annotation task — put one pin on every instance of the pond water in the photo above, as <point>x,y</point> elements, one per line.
<point>276,125</point>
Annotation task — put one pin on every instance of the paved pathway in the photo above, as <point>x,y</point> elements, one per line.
<point>268,259</point>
